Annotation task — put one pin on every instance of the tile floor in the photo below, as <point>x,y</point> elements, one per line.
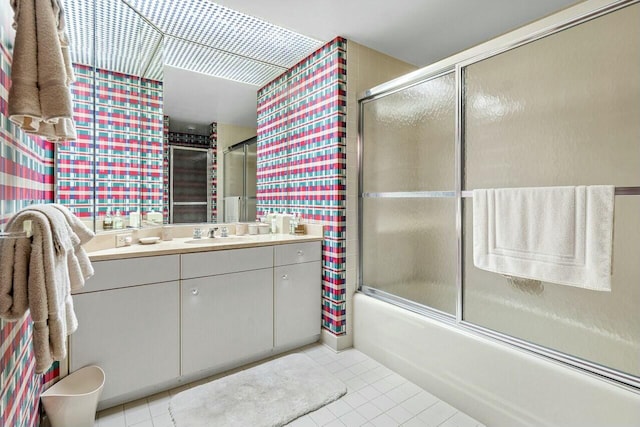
<point>376,397</point>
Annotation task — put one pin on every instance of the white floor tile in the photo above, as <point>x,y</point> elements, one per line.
<point>353,419</point>
<point>159,403</point>
<point>112,421</point>
<point>377,397</point>
<point>437,414</point>
<point>344,374</point>
<point>399,414</point>
<point>335,423</point>
<point>305,421</point>
<point>145,423</point>
<point>359,368</point>
<point>460,419</point>
<point>369,410</point>
<point>112,417</point>
<point>369,392</point>
<point>414,422</point>
<point>384,403</point>
<point>419,402</point>
<point>163,421</point>
<point>322,416</point>
<point>354,399</point>
<point>137,412</point>
<point>403,392</point>
<point>384,386</point>
<point>339,408</point>
<point>355,383</point>
<point>384,420</point>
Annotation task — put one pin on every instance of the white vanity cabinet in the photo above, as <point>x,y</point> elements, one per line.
<point>128,316</point>
<point>297,293</point>
<point>226,317</point>
<point>153,322</point>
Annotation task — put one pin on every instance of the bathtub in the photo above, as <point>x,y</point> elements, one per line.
<point>495,383</point>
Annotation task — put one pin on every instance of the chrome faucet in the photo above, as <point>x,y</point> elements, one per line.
<point>212,232</point>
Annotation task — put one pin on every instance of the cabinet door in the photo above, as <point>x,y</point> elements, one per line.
<point>131,333</point>
<point>226,318</point>
<point>297,302</point>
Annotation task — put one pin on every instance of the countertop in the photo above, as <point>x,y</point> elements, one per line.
<point>180,245</point>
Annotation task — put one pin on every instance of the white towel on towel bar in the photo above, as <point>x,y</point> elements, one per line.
<point>232,209</point>
<point>560,235</point>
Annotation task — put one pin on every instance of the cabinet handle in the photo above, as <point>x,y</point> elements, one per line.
<point>195,291</point>
<point>285,277</point>
<point>300,253</point>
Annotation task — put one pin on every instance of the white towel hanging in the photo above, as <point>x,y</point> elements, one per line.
<point>560,235</point>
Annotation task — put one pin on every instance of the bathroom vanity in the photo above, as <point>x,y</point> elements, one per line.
<point>155,316</point>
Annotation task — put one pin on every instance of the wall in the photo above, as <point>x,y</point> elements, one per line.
<point>128,145</point>
<point>302,119</point>
<point>366,69</point>
<point>302,160</point>
<point>26,175</point>
<point>227,136</point>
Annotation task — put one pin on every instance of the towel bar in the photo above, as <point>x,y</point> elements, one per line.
<point>620,191</point>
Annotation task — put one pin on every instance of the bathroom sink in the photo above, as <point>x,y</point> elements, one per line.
<point>217,240</point>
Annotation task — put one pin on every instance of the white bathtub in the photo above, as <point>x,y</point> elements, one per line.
<point>493,382</point>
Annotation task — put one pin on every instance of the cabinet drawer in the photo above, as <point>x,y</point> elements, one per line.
<point>298,253</point>
<point>122,273</point>
<point>228,261</point>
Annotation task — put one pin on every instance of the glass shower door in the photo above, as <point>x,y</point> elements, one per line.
<point>190,185</point>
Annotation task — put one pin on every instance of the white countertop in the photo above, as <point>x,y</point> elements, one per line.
<point>180,245</point>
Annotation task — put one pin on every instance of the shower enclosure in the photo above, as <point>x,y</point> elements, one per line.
<point>558,108</point>
<point>240,173</point>
<point>190,182</point>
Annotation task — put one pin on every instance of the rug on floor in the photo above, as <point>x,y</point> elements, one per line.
<point>272,394</point>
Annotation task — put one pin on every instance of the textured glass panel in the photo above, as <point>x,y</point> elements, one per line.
<point>190,176</point>
<point>602,327</point>
<point>409,249</point>
<point>409,138</point>
<point>185,214</point>
<point>234,173</point>
<point>560,111</point>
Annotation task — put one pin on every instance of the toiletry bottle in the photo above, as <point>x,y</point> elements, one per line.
<point>134,219</point>
<point>293,224</point>
<point>117,220</point>
<point>274,224</point>
<point>107,222</point>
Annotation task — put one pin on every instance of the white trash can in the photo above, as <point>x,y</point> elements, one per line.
<point>72,401</point>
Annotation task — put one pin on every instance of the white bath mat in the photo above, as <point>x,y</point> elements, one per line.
<point>272,394</point>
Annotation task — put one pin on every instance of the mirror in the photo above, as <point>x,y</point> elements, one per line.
<point>115,167</point>
<point>118,172</point>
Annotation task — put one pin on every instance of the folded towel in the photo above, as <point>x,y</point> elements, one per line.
<point>14,273</point>
<point>80,268</point>
<point>560,235</point>
<point>48,290</point>
<point>40,97</point>
<point>39,273</point>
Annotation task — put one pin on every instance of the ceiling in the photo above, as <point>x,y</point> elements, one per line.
<point>233,47</point>
<point>419,32</point>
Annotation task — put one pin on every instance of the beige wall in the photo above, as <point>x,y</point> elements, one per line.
<point>227,136</point>
<point>365,68</point>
